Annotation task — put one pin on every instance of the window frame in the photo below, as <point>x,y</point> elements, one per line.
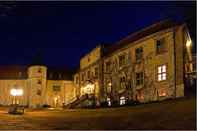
<point>141,80</point>
<point>108,66</point>
<point>138,60</point>
<point>55,88</point>
<point>120,63</point>
<point>165,45</point>
<point>157,73</point>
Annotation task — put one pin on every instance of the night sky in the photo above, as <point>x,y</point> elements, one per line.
<point>65,31</point>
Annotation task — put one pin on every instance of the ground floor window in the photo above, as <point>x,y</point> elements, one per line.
<point>162,93</point>
<point>108,101</point>
<point>88,89</point>
<point>122,100</point>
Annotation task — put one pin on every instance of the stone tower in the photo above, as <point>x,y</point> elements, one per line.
<point>37,75</point>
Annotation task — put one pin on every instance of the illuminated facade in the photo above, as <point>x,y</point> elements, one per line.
<point>145,66</point>
<point>149,65</point>
<point>35,86</point>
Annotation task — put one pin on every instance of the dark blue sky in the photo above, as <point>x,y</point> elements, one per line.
<point>66,31</point>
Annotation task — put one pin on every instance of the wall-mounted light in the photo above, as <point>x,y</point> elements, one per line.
<point>16,92</point>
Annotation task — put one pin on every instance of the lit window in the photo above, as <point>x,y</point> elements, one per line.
<point>161,74</point>
<point>162,93</point>
<point>122,100</point>
<point>109,101</point>
<point>88,89</point>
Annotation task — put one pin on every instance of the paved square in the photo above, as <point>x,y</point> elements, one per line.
<point>174,114</point>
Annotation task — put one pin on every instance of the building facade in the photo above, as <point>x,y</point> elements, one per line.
<point>149,65</point>
<point>145,66</point>
<point>39,86</point>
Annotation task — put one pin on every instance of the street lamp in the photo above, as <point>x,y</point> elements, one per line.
<point>16,92</point>
<point>14,109</point>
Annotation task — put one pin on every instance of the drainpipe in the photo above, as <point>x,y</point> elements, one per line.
<point>174,49</point>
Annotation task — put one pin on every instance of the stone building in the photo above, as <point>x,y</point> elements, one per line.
<point>39,86</point>
<point>145,66</point>
<point>152,64</point>
<point>88,79</point>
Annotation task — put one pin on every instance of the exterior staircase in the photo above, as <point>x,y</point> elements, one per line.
<point>78,101</point>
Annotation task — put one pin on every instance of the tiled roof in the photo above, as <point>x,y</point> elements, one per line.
<point>13,72</point>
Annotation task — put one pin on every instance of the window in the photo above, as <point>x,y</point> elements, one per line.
<point>109,101</point>
<point>39,82</point>
<point>162,93</point>
<point>56,88</point>
<point>88,74</point>
<point>122,100</point>
<point>82,77</point>
<point>60,75</point>
<point>161,73</point>
<point>96,71</point>
<point>88,59</point>
<point>139,54</point>
<point>20,74</point>
<point>108,66</point>
<point>122,60</point>
<point>139,78</point>
<point>160,46</point>
<point>109,87</point>
<point>39,70</point>
<point>51,75</point>
<point>39,92</point>
<point>122,79</point>
<point>76,80</point>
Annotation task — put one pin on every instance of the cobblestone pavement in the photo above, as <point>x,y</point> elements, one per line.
<point>175,114</point>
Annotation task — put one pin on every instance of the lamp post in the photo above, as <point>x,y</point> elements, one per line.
<point>14,109</point>
<point>16,92</point>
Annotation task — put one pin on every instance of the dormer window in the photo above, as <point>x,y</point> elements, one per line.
<point>60,75</point>
<point>20,74</point>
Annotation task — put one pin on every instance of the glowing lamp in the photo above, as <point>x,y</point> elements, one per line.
<point>16,92</point>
